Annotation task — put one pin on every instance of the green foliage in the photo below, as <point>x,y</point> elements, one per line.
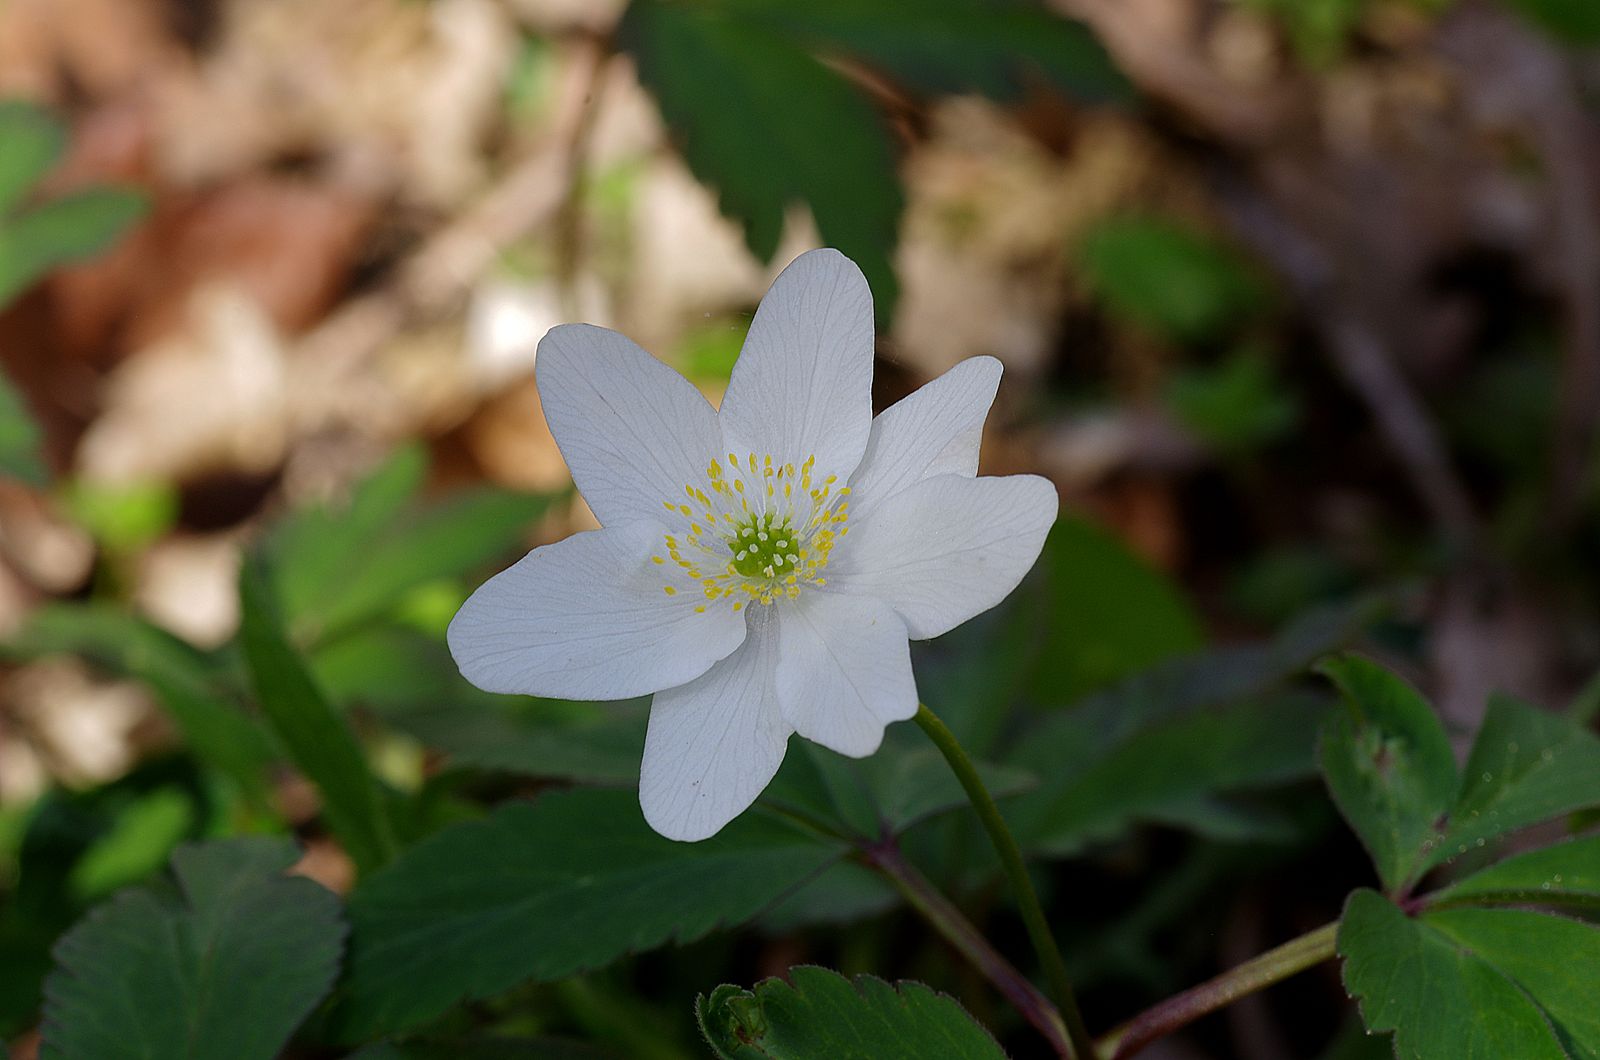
<point>545,889</point>
<point>1563,874</point>
<point>768,126</point>
<point>125,517</point>
<point>1573,21</point>
<point>187,683</point>
<point>993,47</point>
<point>76,226</point>
<point>1388,765</point>
<point>1390,769</point>
<point>220,963</point>
<point>19,437</point>
<point>1163,278</point>
<point>341,567</point>
<point>1470,981</point>
<point>820,1014</point>
<point>1109,613</point>
<point>317,739</point>
<point>1236,406</point>
<point>1318,29</point>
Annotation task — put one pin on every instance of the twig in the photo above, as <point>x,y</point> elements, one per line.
<point>969,942</point>
<point>1182,1009</point>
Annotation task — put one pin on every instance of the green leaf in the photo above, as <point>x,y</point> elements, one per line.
<point>768,126</point>
<point>221,963</point>
<point>1560,875</point>
<point>1389,767</point>
<point>1469,982</point>
<point>65,230</point>
<point>185,681</point>
<point>1235,407</point>
<point>1178,284</point>
<point>19,437</point>
<point>1526,766</point>
<point>1167,772</point>
<point>1573,21</point>
<point>33,140</point>
<point>340,568</point>
<point>138,844</point>
<point>945,47</point>
<point>485,1048</point>
<point>318,740</point>
<point>542,890</point>
<point>1109,614</point>
<point>820,1014</point>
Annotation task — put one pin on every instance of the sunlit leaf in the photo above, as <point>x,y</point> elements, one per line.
<point>33,142</point>
<point>221,963</point>
<point>318,740</point>
<point>819,1013</point>
<point>72,228</point>
<point>541,890</point>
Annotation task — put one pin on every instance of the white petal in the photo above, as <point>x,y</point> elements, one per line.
<point>803,383</point>
<point>934,431</point>
<point>844,670</point>
<point>714,744</point>
<point>946,548</point>
<point>589,618</point>
<point>633,431</point>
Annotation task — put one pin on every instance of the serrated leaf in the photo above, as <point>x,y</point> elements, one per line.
<point>1471,982</point>
<point>996,47</point>
<point>768,126</point>
<point>317,739</point>
<point>220,964</point>
<point>65,230</point>
<point>1562,874</point>
<point>19,436</point>
<point>821,1015</point>
<point>1110,614</point>
<point>1389,767</point>
<point>1526,766</point>
<point>541,890</point>
<point>33,140</point>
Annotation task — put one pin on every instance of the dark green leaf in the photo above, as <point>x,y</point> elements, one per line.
<point>768,126</point>
<point>484,1048</point>
<point>1563,874</point>
<point>220,964</point>
<point>1526,766</point>
<point>1109,614</point>
<point>32,142</point>
<point>1389,767</point>
<point>1473,982</point>
<point>65,230</point>
<point>1175,283</point>
<point>1573,21</point>
<point>820,1014</point>
<point>19,436</point>
<point>1236,406</point>
<point>318,739</point>
<point>542,890</point>
<point>1092,789</point>
<point>996,47</point>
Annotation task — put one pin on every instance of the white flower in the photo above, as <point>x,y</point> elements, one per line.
<point>761,569</point>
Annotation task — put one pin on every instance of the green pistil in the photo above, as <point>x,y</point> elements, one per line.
<point>763,547</point>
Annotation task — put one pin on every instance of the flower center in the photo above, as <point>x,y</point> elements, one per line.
<point>755,530</point>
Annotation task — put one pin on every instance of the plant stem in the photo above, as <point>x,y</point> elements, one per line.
<point>1182,1009</point>
<point>957,930</point>
<point>1082,1046</point>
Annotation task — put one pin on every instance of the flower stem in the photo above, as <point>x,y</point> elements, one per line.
<point>969,942</point>
<point>1182,1009</point>
<point>1081,1045</point>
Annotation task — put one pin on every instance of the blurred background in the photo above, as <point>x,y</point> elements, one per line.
<point>1299,303</point>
